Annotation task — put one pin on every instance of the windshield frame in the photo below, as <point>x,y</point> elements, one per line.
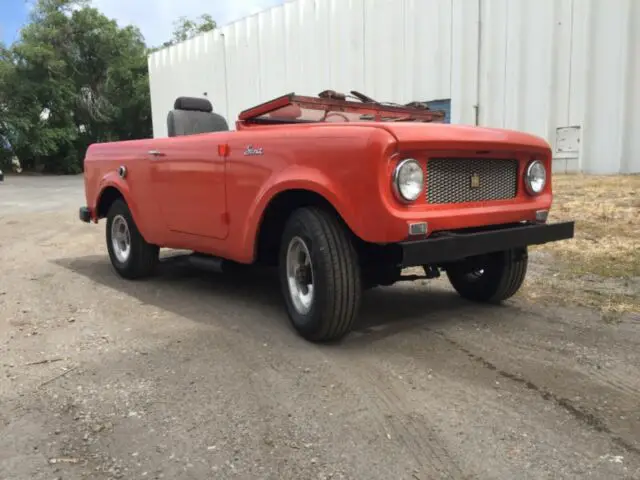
<point>378,112</point>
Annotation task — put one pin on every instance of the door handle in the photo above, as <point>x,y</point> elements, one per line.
<point>156,153</point>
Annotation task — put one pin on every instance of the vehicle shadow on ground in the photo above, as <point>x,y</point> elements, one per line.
<point>251,299</point>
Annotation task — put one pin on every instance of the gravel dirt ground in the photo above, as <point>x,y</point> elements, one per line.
<point>191,375</point>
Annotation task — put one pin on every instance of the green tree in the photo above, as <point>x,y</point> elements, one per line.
<point>184,28</point>
<point>72,78</point>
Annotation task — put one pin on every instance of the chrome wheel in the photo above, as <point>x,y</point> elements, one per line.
<point>300,275</point>
<point>121,238</point>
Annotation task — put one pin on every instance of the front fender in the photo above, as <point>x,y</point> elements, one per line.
<point>298,177</point>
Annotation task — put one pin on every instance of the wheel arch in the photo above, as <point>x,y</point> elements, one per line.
<point>112,191</point>
<point>275,215</point>
<point>107,197</point>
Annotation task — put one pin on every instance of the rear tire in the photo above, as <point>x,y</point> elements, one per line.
<point>319,275</point>
<point>131,256</point>
<point>493,279</point>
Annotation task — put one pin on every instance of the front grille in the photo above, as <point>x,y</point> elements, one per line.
<point>459,180</point>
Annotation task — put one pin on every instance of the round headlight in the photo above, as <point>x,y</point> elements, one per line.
<point>536,177</point>
<point>408,180</point>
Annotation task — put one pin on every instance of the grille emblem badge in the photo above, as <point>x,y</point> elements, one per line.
<point>475,181</point>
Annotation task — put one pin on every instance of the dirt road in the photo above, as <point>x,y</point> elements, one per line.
<point>191,375</point>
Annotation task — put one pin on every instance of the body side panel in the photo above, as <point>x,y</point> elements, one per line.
<point>187,176</point>
<point>350,165</point>
<point>101,171</point>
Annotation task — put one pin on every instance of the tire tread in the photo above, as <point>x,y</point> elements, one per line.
<point>343,281</point>
<point>144,256</point>
<point>498,286</point>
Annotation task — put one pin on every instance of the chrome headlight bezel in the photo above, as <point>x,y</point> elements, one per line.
<point>532,175</point>
<point>398,189</point>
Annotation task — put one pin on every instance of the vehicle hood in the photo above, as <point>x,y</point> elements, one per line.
<point>453,136</point>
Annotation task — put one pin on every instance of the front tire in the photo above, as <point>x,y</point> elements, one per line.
<point>492,279</point>
<point>319,275</point>
<point>131,256</point>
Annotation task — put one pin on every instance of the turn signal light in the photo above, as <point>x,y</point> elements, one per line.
<point>223,150</point>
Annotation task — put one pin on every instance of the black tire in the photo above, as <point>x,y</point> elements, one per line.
<point>336,279</point>
<point>503,275</point>
<point>142,258</point>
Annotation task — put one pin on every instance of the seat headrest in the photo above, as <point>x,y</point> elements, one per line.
<point>193,104</point>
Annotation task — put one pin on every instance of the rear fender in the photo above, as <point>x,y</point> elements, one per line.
<point>113,180</point>
<point>297,177</point>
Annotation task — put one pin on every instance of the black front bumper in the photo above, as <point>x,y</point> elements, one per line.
<point>451,246</point>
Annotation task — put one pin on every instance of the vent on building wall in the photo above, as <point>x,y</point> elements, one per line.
<point>568,140</point>
<point>566,155</point>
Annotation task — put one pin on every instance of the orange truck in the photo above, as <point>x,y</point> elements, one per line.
<point>339,192</point>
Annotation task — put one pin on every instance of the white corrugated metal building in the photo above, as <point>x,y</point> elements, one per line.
<point>567,70</point>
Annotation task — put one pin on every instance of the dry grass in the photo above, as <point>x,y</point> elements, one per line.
<point>607,214</point>
<point>601,265</point>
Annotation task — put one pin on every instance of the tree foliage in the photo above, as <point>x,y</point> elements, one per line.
<point>185,29</point>
<point>73,78</point>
